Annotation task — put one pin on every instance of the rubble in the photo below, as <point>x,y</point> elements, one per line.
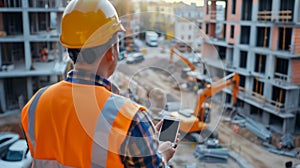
<point>216,155</point>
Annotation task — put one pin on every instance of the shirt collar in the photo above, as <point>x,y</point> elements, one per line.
<point>85,77</point>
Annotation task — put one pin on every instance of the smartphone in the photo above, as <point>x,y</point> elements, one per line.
<point>169,129</point>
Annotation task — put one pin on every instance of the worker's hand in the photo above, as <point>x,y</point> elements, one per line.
<point>167,151</point>
<point>157,126</point>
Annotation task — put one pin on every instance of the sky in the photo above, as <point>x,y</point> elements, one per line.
<point>198,2</point>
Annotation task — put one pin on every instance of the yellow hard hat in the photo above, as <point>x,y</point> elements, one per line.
<point>88,23</point>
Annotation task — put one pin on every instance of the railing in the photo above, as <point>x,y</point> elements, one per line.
<point>284,15</point>
<point>280,79</point>
<point>247,94</point>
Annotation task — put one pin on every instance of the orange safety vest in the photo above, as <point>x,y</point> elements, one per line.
<point>76,125</point>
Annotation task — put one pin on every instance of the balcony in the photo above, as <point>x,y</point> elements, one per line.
<point>281,79</point>
<point>267,104</point>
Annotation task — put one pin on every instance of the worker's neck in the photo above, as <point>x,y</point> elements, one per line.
<point>95,69</point>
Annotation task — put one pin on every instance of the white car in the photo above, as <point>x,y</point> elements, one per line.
<point>6,139</point>
<point>134,57</point>
<point>17,156</point>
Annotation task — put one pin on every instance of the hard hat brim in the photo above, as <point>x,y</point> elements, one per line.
<point>98,37</point>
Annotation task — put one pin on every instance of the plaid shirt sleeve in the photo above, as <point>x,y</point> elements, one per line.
<point>140,147</point>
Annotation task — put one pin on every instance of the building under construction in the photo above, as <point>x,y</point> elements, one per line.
<point>260,40</point>
<point>30,53</point>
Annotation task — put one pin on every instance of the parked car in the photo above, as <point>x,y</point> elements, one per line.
<point>134,57</point>
<point>151,38</point>
<point>6,139</point>
<point>17,156</point>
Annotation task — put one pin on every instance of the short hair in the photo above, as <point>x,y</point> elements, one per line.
<point>89,55</point>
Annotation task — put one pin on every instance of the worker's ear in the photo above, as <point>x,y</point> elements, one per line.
<point>109,55</point>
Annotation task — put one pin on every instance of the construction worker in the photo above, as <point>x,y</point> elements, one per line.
<point>80,122</point>
<point>44,54</point>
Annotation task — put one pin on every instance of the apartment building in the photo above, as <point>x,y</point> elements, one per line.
<point>30,53</point>
<point>161,17</point>
<point>187,24</point>
<point>260,40</point>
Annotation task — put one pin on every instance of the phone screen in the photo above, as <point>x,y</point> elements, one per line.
<point>168,130</point>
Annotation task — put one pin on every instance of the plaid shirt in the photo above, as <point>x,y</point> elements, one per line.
<point>141,153</point>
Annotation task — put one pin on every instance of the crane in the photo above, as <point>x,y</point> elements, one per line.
<point>196,121</point>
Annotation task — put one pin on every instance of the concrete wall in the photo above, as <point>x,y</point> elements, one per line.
<point>237,16</point>
<point>208,50</point>
<point>236,57</point>
<point>183,30</point>
<point>236,36</point>
<point>270,61</point>
<point>297,11</point>
<point>268,90</point>
<point>29,88</point>
<point>205,16</point>
<point>291,98</point>
<point>289,125</point>
<point>251,60</point>
<point>229,56</point>
<point>212,30</point>
<point>295,72</point>
<point>254,10</point>
<point>3,96</point>
<point>266,118</point>
<point>1,22</point>
<point>210,9</point>
<point>246,109</point>
<point>275,38</point>
<point>296,41</point>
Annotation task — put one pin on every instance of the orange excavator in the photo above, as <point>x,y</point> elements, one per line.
<point>195,122</point>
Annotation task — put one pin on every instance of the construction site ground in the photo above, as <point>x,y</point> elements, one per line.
<point>157,76</point>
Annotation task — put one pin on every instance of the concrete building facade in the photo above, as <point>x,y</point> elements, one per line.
<point>30,53</point>
<point>187,22</point>
<point>161,17</point>
<point>261,42</point>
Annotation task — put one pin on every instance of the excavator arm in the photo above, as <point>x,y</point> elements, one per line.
<point>184,59</point>
<point>195,122</point>
<point>232,79</point>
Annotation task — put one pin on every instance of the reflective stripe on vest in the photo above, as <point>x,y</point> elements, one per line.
<point>53,164</point>
<point>31,116</point>
<point>47,163</point>
<point>110,131</point>
<point>103,128</point>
